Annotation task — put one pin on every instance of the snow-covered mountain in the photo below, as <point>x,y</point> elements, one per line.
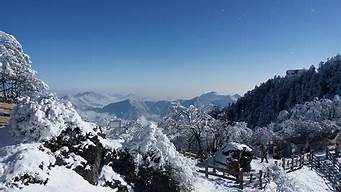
<point>208,100</point>
<point>134,108</point>
<point>90,100</point>
<point>127,109</point>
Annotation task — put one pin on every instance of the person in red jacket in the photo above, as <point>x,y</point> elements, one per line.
<point>236,168</point>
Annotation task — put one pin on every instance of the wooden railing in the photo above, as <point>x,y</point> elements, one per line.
<point>333,158</point>
<point>329,166</point>
<point>260,179</point>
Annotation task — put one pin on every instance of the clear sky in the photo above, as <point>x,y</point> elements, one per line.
<point>171,48</point>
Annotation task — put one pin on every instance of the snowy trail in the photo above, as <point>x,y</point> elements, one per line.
<point>309,180</point>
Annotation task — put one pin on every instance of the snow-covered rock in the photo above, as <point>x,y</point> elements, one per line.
<point>24,164</point>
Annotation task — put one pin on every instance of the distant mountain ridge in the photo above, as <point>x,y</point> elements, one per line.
<point>208,100</point>
<point>131,107</point>
<point>90,100</point>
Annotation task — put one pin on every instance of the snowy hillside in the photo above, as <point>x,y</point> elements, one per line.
<point>261,106</point>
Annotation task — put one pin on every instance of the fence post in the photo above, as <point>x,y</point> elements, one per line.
<point>260,178</point>
<point>226,168</point>
<point>214,169</point>
<point>283,163</point>
<point>241,179</point>
<point>297,161</point>
<point>206,168</point>
<point>311,159</point>
<point>292,162</point>
<point>276,163</point>
<point>251,177</point>
<point>327,152</point>
<point>334,160</point>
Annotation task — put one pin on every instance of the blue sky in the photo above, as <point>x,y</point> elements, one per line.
<point>171,49</point>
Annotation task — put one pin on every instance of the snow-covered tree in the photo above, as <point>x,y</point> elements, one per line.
<point>17,78</point>
<point>153,151</point>
<point>238,132</point>
<point>263,135</point>
<point>44,118</point>
<point>310,122</point>
<point>192,129</point>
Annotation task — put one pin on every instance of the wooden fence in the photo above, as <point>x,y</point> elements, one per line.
<point>258,179</point>
<point>329,166</point>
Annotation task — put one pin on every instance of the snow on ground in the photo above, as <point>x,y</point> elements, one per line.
<point>301,180</point>
<point>63,179</point>
<point>309,180</point>
<point>214,184</point>
<point>304,179</point>
<point>257,165</point>
<point>21,159</point>
<point>111,143</point>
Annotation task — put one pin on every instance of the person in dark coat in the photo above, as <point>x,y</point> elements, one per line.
<point>245,158</point>
<point>236,169</point>
<point>307,148</point>
<point>264,154</point>
<point>302,151</point>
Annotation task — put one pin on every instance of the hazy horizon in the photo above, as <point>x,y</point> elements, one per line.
<point>136,95</point>
<point>171,50</point>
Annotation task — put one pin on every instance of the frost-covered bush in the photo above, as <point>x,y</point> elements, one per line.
<point>311,121</point>
<point>152,149</point>
<point>238,132</point>
<point>282,182</point>
<point>18,79</point>
<point>44,118</point>
<point>192,129</point>
<point>263,135</point>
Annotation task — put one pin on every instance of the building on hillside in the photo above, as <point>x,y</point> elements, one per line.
<point>294,72</point>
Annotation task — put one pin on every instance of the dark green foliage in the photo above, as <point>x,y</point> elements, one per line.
<point>262,105</point>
